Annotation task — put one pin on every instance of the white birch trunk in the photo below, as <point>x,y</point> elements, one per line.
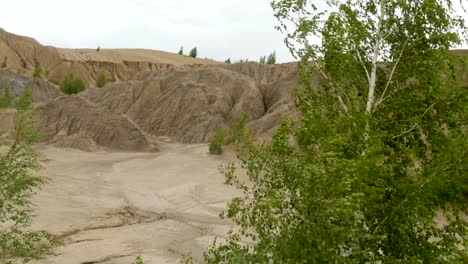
<point>375,57</point>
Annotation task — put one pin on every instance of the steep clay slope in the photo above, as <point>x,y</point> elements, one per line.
<point>42,92</point>
<point>87,125</point>
<point>24,53</point>
<point>190,104</point>
<point>70,121</point>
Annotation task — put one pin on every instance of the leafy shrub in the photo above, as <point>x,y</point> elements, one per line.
<point>262,60</point>
<point>139,260</point>
<point>181,51</point>
<point>271,58</point>
<point>101,81</point>
<point>25,101</point>
<point>193,52</point>
<point>6,99</point>
<point>216,146</point>
<point>239,130</point>
<point>17,184</point>
<point>228,61</point>
<point>37,72</point>
<point>72,85</point>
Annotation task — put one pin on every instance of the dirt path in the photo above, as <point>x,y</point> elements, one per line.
<point>112,207</point>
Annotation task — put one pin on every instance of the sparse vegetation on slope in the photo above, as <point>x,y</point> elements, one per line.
<point>25,101</point>
<point>72,85</point>
<point>6,99</point>
<point>4,62</point>
<point>101,81</point>
<point>37,71</point>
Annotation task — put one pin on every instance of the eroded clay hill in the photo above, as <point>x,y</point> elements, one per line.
<point>150,94</point>
<point>190,104</point>
<point>69,121</point>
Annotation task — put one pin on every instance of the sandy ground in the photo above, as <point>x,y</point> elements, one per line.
<point>112,207</point>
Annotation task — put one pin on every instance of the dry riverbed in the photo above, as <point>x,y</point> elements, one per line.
<point>112,207</point>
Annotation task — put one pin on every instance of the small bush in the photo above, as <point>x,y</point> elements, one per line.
<point>271,58</point>
<point>4,62</point>
<point>37,72</point>
<point>72,85</point>
<point>193,52</point>
<point>6,99</point>
<point>25,101</point>
<point>239,130</point>
<point>228,61</point>
<point>262,60</point>
<point>101,81</point>
<point>216,146</point>
<point>181,51</point>
<point>139,260</point>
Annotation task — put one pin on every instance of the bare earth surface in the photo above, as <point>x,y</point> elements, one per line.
<point>111,207</point>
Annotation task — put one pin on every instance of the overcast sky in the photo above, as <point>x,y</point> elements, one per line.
<point>219,28</point>
<point>238,29</point>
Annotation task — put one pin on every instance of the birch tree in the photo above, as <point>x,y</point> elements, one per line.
<point>380,149</point>
<point>17,185</point>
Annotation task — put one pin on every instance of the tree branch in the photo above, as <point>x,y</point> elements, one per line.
<point>345,108</point>
<point>391,75</point>
<point>362,63</point>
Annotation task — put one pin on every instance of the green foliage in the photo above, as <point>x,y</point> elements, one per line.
<point>139,260</point>
<point>181,51</point>
<point>72,85</point>
<point>271,58</point>
<point>239,130</point>
<point>101,81</point>
<point>37,72</point>
<point>25,101</point>
<point>352,185</point>
<point>4,62</point>
<point>228,61</point>
<point>262,60</point>
<point>216,145</point>
<point>17,185</point>
<point>6,99</point>
<point>193,53</point>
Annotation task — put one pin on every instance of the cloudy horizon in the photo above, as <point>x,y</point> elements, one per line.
<point>219,29</point>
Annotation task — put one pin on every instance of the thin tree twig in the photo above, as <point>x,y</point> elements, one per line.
<point>362,63</point>
<point>391,75</point>
<point>415,124</point>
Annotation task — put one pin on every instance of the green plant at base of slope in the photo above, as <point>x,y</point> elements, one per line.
<point>6,99</point>
<point>72,85</point>
<point>101,81</point>
<point>25,101</point>
<point>216,145</point>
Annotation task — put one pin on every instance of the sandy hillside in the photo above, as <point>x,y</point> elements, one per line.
<point>110,207</point>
